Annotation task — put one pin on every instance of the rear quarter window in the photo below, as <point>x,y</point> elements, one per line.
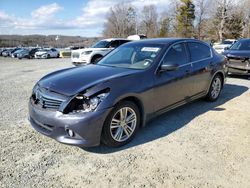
<point>198,51</point>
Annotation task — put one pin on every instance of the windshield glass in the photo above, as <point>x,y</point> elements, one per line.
<point>227,42</point>
<point>241,45</point>
<point>134,56</point>
<point>101,44</point>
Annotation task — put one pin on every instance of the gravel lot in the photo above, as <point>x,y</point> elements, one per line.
<point>199,145</point>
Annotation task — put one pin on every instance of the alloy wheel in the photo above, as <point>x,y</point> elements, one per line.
<point>216,87</point>
<point>123,124</point>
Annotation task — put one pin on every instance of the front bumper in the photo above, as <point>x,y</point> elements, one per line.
<point>87,127</point>
<point>81,60</point>
<point>239,70</point>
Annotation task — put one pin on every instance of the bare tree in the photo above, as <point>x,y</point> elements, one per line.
<point>121,21</point>
<point>246,20</point>
<point>202,11</point>
<point>148,24</point>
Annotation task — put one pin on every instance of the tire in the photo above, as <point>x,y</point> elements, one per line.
<point>95,59</point>
<point>215,89</point>
<point>121,132</point>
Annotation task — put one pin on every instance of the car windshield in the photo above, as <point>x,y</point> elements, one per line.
<point>227,42</point>
<point>133,56</point>
<point>241,45</point>
<point>18,51</point>
<point>101,44</point>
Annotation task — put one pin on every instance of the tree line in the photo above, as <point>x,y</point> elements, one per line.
<point>202,19</point>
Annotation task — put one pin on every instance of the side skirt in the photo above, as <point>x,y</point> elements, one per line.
<point>176,105</point>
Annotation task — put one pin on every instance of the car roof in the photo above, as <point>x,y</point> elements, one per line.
<point>165,41</point>
<point>112,39</point>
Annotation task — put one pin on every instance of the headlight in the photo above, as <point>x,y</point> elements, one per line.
<point>35,88</point>
<point>84,105</point>
<point>86,52</point>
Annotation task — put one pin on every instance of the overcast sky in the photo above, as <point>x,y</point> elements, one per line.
<point>63,17</point>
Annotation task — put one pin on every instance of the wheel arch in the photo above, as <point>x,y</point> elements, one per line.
<point>221,74</point>
<point>139,104</point>
<point>95,55</point>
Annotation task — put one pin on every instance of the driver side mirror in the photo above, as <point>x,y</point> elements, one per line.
<point>226,48</point>
<point>168,67</point>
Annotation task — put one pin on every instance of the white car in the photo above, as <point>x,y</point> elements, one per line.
<point>96,52</point>
<point>220,47</point>
<point>47,53</point>
<point>137,37</point>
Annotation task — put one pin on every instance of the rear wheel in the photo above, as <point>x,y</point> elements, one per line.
<point>121,124</point>
<point>215,89</point>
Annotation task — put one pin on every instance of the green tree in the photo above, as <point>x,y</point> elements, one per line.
<point>185,18</point>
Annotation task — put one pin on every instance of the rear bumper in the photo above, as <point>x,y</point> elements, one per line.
<point>87,127</point>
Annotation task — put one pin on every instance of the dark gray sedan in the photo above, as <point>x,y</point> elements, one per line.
<point>238,57</point>
<point>110,100</point>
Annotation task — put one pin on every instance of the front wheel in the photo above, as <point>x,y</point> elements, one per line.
<point>121,124</point>
<point>215,89</point>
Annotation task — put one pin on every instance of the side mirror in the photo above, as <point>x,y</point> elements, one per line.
<point>226,48</point>
<point>169,67</point>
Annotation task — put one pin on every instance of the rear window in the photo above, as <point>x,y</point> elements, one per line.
<point>198,51</point>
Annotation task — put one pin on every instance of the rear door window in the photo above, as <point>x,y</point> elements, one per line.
<point>198,51</point>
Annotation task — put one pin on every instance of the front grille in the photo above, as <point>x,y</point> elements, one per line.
<point>75,55</point>
<point>47,101</point>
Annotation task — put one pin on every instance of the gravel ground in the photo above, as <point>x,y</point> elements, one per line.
<point>199,145</point>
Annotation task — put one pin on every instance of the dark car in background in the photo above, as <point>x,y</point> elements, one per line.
<point>27,53</point>
<point>238,57</point>
<point>2,50</point>
<point>108,101</point>
<point>12,53</point>
<point>7,52</point>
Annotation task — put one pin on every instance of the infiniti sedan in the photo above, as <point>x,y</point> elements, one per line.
<point>109,101</point>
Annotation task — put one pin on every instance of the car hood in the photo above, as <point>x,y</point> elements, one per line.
<point>71,81</point>
<point>41,52</point>
<point>222,46</point>
<point>92,49</point>
<point>237,53</point>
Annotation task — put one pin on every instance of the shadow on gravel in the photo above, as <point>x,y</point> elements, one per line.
<point>239,76</point>
<point>175,119</point>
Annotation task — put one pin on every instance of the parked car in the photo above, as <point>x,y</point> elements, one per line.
<point>7,52</point>
<point>238,57</point>
<point>27,53</point>
<point>2,50</point>
<point>110,100</point>
<point>47,53</point>
<point>96,52</point>
<point>15,52</point>
<point>225,44</point>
